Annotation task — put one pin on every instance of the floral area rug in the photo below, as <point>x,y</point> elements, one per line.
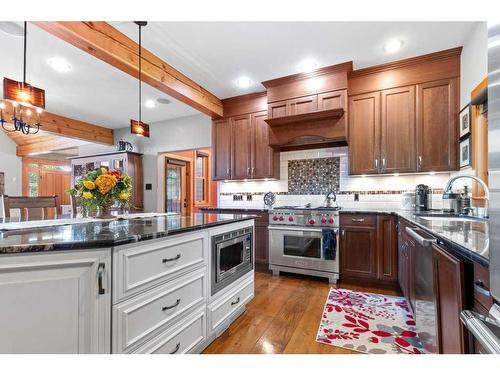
<point>368,323</point>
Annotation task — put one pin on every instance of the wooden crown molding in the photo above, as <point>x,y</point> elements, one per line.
<point>103,41</point>
<point>254,95</point>
<point>435,56</point>
<point>343,67</point>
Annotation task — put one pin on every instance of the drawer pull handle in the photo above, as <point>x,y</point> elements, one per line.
<point>235,302</point>
<point>165,308</point>
<point>165,260</point>
<point>358,220</point>
<point>479,287</point>
<point>177,347</point>
<point>100,274</point>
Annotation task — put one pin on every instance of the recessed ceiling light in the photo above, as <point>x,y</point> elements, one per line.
<point>150,103</point>
<point>393,45</point>
<point>308,66</point>
<point>243,82</point>
<point>59,64</point>
<point>163,101</point>
<point>12,28</point>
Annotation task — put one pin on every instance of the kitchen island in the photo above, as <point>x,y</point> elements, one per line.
<point>140,285</point>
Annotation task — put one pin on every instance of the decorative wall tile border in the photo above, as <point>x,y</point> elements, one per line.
<point>344,192</point>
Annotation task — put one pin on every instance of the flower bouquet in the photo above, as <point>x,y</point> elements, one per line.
<point>100,189</point>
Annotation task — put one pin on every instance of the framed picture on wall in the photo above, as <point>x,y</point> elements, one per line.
<point>465,121</point>
<point>465,152</point>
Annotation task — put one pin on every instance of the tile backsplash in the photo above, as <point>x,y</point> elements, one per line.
<point>295,187</point>
<point>313,176</point>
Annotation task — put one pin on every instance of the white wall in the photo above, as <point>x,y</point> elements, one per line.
<point>474,61</point>
<point>10,165</point>
<point>173,135</point>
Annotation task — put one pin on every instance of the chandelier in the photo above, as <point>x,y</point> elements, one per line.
<point>137,127</point>
<point>26,101</point>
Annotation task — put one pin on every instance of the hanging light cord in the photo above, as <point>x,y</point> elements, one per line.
<point>25,49</point>
<point>140,71</point>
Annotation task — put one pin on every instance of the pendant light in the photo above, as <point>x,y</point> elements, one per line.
<point>137,127</point>
<point>27,101</point>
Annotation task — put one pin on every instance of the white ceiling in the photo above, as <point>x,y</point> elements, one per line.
<point>215,54</point>
<point>93,91</point>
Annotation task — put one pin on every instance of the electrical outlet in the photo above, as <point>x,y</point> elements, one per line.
<point>249,197</point>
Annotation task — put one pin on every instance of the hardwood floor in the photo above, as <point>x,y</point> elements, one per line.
<point>283,317</point>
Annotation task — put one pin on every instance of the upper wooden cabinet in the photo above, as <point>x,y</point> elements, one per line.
<point>364,133</point>
<point>397,130</point>
<point>241,130</point>
<point>241,141</point>
<point>414,128</point>
<point>437,138</point>
<point>221,149</point>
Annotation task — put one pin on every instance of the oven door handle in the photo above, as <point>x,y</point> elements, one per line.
<point>295,229</point>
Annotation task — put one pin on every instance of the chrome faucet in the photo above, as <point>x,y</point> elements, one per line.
<point>450,182</point>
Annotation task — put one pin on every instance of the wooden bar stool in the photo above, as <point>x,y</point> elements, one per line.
<point>32,208</point>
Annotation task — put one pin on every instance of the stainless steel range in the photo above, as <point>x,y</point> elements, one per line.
<point>304,240</point>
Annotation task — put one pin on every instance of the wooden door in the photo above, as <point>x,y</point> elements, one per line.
<point>55,183</point>
<point>264,160</point>
<point>387,252</point>
<point>332,100</point>
<point>51,303</point>
<point>397,130</point>
<point>177,177</point>
<point>278,109</point>
<point>134,170</point>
<point>305,104</point>
<point>358,252</point>
<point>450,300</point>
<point>221,149</point>
<point>437,139</point>
<point>241,130</point>
<point>364,133</point>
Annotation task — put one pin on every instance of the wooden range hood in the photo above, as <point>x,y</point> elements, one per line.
<point>308,110</point>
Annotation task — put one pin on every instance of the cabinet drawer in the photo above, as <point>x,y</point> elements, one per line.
<point>223,308</point>
<point>181,338</point>
<point>140,267</point>
<point>137,318</point>
<point>482,286</point>
<point>361,220</point>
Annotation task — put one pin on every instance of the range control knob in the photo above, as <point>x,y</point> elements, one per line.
<point>290,218</point>
<point>275,218</point>
<point>323,220</point>
<point>330,220</point>
<point>282,218</point>
<point>312,221</point>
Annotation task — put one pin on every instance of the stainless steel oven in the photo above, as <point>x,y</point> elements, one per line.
<point>232,257</point>
<point>300,250</point>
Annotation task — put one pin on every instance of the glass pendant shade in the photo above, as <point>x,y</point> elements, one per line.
<point>139,128</point>
<point>23,93</point>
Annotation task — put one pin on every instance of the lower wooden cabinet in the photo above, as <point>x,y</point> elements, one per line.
<point>368,248</point>
<point>406,267</point>
<point>56,303</point>
<point>449,288</point>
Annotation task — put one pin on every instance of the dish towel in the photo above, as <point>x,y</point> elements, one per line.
<point>329,244</point>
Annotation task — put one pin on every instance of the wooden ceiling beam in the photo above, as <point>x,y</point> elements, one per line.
<point>48,145</point>
<point>103,41</point>
<point>67,127</point>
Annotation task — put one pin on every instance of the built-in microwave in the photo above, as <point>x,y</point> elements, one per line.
<point>232,257</point>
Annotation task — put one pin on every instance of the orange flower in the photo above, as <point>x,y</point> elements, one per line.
<point>105,183</point>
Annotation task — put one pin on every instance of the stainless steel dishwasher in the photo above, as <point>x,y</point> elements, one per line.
<point>425,298</point>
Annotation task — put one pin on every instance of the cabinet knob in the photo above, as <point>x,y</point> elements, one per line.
<point>420,161</point>
<point>176,348</point>
<point>376,163</point>
<point>165,308</point>
<point>100,274</point>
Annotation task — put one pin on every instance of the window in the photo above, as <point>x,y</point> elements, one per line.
<point>201,180</point>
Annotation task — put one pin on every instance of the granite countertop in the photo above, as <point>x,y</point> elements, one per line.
<point>468,240</point>
<point>108,233</point>
<point>233,209</point>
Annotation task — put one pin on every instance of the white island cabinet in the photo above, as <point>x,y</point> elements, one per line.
<point>55,302</point>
